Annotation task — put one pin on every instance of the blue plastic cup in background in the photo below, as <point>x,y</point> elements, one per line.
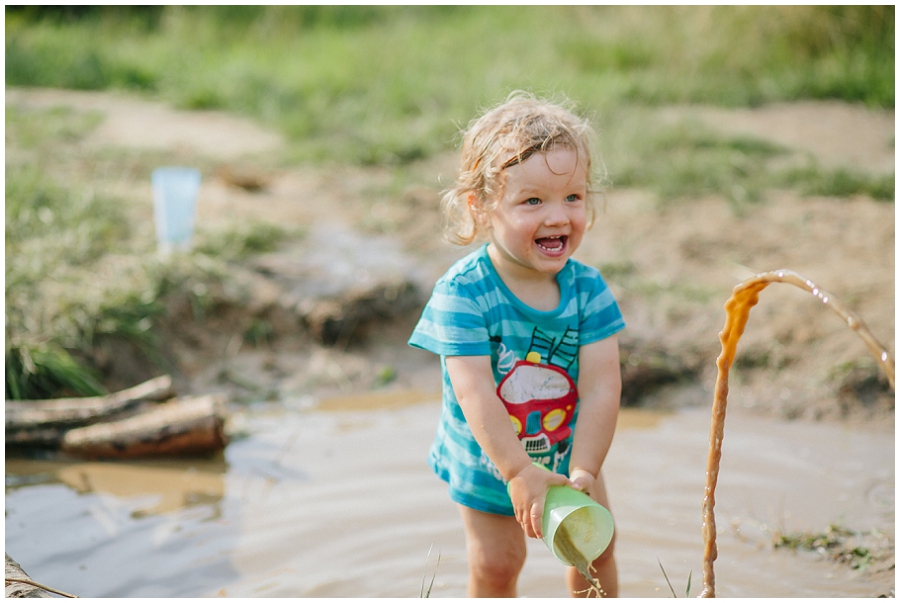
<point>174,204</point>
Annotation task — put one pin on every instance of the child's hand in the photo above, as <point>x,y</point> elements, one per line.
<point>528,489</point>
<point>582,479</point>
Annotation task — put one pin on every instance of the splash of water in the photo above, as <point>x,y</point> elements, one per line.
<point>563,544</point>
<point>737,308</point>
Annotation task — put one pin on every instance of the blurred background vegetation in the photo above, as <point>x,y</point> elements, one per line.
<point>387,86</point>
<point>384,84</point>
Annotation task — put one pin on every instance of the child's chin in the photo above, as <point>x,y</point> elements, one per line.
<point>552,265</point>
<point>556,255</point>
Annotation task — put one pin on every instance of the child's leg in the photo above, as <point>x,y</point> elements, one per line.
<point>604,566</point>
<point>496,549</point>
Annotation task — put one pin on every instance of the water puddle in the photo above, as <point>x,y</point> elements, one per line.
<point>376,400</point>
<point>738,306</point>
<point>167,488</point>
<point>775,475</point>
<point>336,501</point>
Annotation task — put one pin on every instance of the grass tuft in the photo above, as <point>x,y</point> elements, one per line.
<point>36,371</point>
<point>835,541</point>
<point>427,593</point>
<point>687,591</point>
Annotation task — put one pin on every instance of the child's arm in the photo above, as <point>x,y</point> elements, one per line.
<point>473,384</point>
<point>599,389</point>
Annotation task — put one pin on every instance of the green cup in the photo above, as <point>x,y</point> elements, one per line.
<point>570,513</point>
<point>588,525</point>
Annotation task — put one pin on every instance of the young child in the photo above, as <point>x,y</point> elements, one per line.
<point>527,339</point>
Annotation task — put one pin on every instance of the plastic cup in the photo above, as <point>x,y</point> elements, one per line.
<point>589,524</point>
<point>174,201</point>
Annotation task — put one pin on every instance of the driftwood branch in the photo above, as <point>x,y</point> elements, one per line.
<point>44,423</point>
<point>181,427</point>
<point>19,585</point>
<point>127,424</point>
<point>29,414</point>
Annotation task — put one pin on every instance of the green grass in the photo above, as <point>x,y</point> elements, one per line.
<point>34,371</point>
<point>79,270</point>
<point>812,180</point>
<point>831,542</point>
<point>243,240</point>
<point>685,160</point>
<point>388,85</point>
<point>59,307</point>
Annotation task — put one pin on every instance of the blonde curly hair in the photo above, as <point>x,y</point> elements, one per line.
<point>504,136</point>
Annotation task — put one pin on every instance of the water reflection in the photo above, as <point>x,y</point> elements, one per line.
<point>166,488</point>
<point>336,500</point>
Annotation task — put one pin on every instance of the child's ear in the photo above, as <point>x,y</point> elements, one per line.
<point>476,208</point>
<point>474,204</point>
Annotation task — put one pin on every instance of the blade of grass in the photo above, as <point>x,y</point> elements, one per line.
<point>422,592</point>
<point>666,577</point>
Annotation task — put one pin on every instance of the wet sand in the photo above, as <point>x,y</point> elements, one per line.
<point>337,501</point>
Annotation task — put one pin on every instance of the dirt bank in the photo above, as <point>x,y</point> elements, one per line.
<point>339,302</point>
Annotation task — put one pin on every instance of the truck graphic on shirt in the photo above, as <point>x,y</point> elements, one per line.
<point>540,395</point>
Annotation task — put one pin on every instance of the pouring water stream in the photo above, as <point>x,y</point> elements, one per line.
<point>737,308</point>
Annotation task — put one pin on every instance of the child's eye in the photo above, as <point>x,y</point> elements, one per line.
<point>572,198</point>
<point>533,201</point>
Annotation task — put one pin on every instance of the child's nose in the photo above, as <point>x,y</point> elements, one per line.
<point>556,214</point>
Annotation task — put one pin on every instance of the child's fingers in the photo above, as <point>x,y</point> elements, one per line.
<point>537,515</point>
<point>530,519</point>
<point>537,509</point>
<point>583,481</point>
<point>521,516</point>
<point>558,479</point>
<point>528,492</point>
<point>580,484</point>
<point>533,529</point>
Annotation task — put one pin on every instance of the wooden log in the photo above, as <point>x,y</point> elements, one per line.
<point>19,585</point>
<point>44,423</point>
<point>40,438</point>
<point>189,426</point>
<point>30,414</point>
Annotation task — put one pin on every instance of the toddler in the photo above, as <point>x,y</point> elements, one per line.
<point>527,339</point>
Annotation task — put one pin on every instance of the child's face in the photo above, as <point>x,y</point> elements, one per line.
<point>540,218</point>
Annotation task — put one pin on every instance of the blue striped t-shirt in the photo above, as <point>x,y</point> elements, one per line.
<point>534,356</point>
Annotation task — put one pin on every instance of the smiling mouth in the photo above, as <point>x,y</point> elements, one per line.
<point>553,244</point>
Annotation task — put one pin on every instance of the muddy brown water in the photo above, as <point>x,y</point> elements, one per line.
<point>335,500</point>
<point>738,306</point>
<point>563,544</point>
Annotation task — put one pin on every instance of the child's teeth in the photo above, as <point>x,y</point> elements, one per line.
<point>550,243</point>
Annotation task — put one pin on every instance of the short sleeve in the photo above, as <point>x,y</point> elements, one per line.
<point>600,313</point>
<point>452,323</point>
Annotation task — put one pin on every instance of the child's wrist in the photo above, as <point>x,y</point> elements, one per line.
<point>576,469</point>
<point>516,470</point>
